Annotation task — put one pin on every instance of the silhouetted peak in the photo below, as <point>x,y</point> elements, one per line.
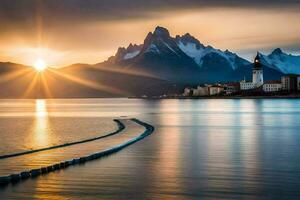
<point>130,46</point>
<point>133,47</point>
<point>148,39</point>
<point>277,51</point>
<point>187,35</point>
<point>121,50</point>
<point>188,38</point>
<point>161,32</point>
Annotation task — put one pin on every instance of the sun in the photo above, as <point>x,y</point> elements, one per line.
<point>40,65</point>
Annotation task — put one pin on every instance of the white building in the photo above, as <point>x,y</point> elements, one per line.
<point>203,91</point>
<point>272,86</point>
<point>257,77</point>
<point>206,90</point>
<point>246,85</point>
<point>214,90</point>
<point>257,73</point>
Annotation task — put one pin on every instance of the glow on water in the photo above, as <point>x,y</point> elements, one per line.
<point>41,124</point>
<point>31,124</point>
<point>201,149</point>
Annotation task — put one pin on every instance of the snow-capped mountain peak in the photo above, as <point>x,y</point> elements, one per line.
<point>185,47</point>
<point>160,42</point>
<point>196,50</point>
<point>126,53</point>
<point>285,63</point>
<point>187,38</point>
<point>185,59</point>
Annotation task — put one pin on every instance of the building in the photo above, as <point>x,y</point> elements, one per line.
<point>188,92</point>
<point>257,76</point>
<point>203,91</point>
<point>272,86</point>
<point>231,88</point>
<point>215,90</point>
<point>290,82</point>
<point>206,90</point>
<point>257,73</point>
<point>199,91</point>
<point>244,85</point>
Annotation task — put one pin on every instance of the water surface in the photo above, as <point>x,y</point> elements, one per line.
<point>201,149</point>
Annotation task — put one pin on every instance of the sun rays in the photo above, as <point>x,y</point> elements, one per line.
<point>14,75</point>
<point>53,83</point>
<point>88,83</point>
<point>40,81</point>
<point>73,81</point>
<point>31,86</point>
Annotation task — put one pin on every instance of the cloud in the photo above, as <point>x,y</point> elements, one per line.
<point>26,12</point>
<point>26,16</point>
<point>91,30</point>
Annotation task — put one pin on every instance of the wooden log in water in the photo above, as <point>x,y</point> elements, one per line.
<point>44,170</point>
<point>56,167</point>
<point>35,172</point>
<point>25,175</point>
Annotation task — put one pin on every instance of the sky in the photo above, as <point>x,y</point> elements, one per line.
<point>63,32</point>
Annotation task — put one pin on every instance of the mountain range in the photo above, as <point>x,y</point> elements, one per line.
<point>162,64</point>
<point>280,61</point>
<point>184,59</point>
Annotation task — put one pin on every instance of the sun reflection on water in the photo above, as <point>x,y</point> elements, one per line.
<point>41,126</point>
<point>40,108</point>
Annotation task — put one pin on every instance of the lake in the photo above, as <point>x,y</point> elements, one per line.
<point>201,149</point>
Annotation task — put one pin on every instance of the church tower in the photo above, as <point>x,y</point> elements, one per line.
<point>257,73</point>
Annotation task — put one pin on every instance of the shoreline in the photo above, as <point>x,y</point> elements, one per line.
<point>221,97</point>
<point>169,97</point>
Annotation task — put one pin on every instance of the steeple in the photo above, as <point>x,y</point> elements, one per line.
<point>257,65</point>
<point>257,72</point>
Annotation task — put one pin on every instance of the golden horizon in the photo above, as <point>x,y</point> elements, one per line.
<point>220,28</point>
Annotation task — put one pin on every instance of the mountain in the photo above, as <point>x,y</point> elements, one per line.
<point>161,65</point>
<point>283,62</point>
<point>180,59</point>
<point>126,53</point>
<point>196,50</point>
<point>158,56</point>
<point>74,81</point>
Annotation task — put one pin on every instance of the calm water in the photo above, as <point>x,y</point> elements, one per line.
<point>201,149</point>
